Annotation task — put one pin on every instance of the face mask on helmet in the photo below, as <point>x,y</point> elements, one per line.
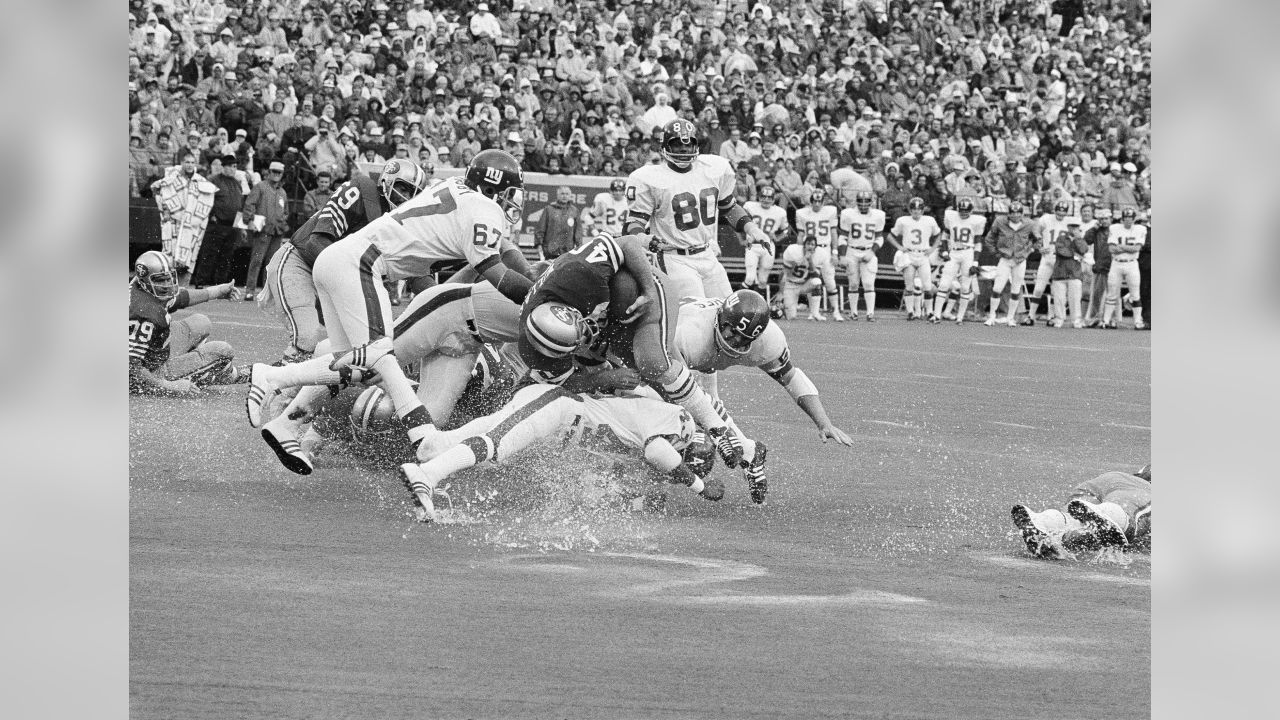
<point>680,152</point>
<point>400,181</point>
<point>155,273</point>
<point>511,201</point>
<point>373,415</point>
<point>864,202</point>
<point>740,321</point>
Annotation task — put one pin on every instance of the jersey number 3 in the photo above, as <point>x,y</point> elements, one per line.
<point>690,211</point>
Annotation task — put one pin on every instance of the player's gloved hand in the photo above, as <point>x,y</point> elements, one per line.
<point>835,433</point>
<point>728,444</point>
<point>619,379</point>
<point>975,270</point>
<point>713,490</point>
<point>755,234</point>
<point>636,310</point>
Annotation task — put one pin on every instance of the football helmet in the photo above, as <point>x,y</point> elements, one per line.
<point>1061,208</point>
<point>1128,213</point>
<point>155,272</point>
<point>400,180</point>
<point>617,185</point>
<point>497,175</point>
<point>739,321</point>
<point>767,195</point>
<point>964,206</point>
<point>1015,211</point>
<point>863,200</point>
<point>817,197</point>
<point>700,455</point>
<point>555,329</point>
<point>916,207</point>
<point>373,415</point>
<point>680,144</point>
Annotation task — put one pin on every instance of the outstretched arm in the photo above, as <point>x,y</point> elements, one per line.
<point>805,393</point>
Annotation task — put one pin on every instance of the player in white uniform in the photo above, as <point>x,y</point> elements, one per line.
<point>821,220</point>
<point>609,210</point>
<point>1111,510</point>
<point>799,274</point>
<point>964,233</point>
<point>717,333</point>
<point>1124,239</point>
<point>861,230</point>
<point>758,257</point>
<point>663,432</point>
<point>453,219</point>
<point>682,202</point>
<point>1046,231</point>
<point>914,235</point>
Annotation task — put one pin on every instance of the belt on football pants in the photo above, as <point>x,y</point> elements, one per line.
<point>916,251</point>
<point>689,251</point>
<point>1124,259</point>
<point>855,247</point>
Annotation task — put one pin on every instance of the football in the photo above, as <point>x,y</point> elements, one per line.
<point>623,290</point>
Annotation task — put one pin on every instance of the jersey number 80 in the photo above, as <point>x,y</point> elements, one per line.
<point>690,211</point>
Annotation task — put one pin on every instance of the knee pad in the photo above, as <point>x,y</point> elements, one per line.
<point>199,324</point>
<point>1135,301</point>
<point>219,349</point>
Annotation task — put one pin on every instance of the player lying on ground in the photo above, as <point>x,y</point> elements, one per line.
<point>662,432</point>
<point>174,358</point>
<point>1111,510</point>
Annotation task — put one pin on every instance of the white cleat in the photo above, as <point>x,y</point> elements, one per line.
<point>363,356</point>
<point>837,317</point>
<point>261,391</point>
<point>817,317</point>
<point>991,322</point>
<point>280,436</point>
<point>416,482</point>
<point>1077,324</point>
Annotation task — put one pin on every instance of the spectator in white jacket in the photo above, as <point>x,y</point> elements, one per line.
<point>657,116</point>
<point>484,24</point>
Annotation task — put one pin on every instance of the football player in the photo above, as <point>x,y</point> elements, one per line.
<point>609,210</point>
<point>914,236</point>
<point>661,431</point>
<point>588,288</point>
<point>717,333</point>
<point>682,202</point>
<point>1010,237</point>
<point>1125,240</point>
<point>1111,510</point>
<point>353,205</point>
<point>757,259</point>
<point>964,233</point>
<point>456,218</point>
<point>173,357</point>
<point>799,273</point>
<point>820,219</point>
<point>861,230</point>
<point>1046,231</point>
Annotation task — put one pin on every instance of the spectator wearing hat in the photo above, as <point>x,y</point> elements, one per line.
<point>483,24</point>
<point>213,263</point>
<point>1119,192</point>
<point>265,212</point>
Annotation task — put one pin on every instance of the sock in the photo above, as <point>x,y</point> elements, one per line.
<point>399,389</point>
<point>459,457</point>
<point>1015,304</point>
<point>303,406</point>
<point>312,372</point>
<point>1108,309</point>
<point>813,304</point>
<point>963,307</point>
<point>869,299</point>
<point>688,394</point>
<point>833,301</point>
<point>1137,311</point>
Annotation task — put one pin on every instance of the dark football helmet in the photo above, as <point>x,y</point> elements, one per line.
<point>680,144</point>
<point>818,196</point>
<point>700,455</point>
<point>1015,211</point>
<point>1062,208</point>
<point>155,272</point>
<point>740,320</point>
<point>497,175</point>
<point>964,206</point>
<point>617,185</point>
<point>863,200</point>
<point>1129,213</point>
<point>916,207</point>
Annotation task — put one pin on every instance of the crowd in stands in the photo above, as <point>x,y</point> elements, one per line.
<point>997,99</point>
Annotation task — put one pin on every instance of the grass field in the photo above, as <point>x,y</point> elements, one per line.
<point>881,581</point>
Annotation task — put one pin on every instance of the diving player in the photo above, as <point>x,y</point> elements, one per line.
<point>757,259</point>
<point>914,235</point>
<point>964,233</point>
<point>1111,510</point>
<point>820,220</point>
<point>682,202</point>
<point>861,230</point>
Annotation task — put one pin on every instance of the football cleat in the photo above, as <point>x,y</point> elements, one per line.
<point>990,322</point>
<point>1077,324</point>
<point>817,317</point>
<point>363,356</point>
<point>728,444</point>
<point>1039,543</point>
<point>280,436</point>
<point>1107,530</point>
<point>415,481</point>
<point>1139,325</point>
<point>835,315</point>
<point>757,482</point>
<point>1028,321</point>
<point>871,318</point>
<point>934,319</point>
<point>261,391</point>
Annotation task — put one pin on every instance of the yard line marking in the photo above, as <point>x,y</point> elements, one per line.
<point>1041,347</point>
<point>713,571</point>
<point>242,324</point>
<point>887,422</point>
<point>855,597</point>
<point>939,377</point>
<point>1027,427</point>
<point>1063,568</point>
<point>1134,427</point>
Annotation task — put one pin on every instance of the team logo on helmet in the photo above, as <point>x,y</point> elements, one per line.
<point>964,206</point>
<point>916,204</point>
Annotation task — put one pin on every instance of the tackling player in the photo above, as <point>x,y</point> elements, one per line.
<point>757,259</point>
<point>682,202</point>
<point>717,333</point>
<point>1046,230</point>
<point>457,218</point>
<point>662,432</point>
<point>1010,236</point>
<point>1111,510</point>
<point>609,210</point>
<point>353,205</point>
<point>820,219</point>
<point>1125,240</point>
<point>799,273</point>
<point>861,230</point>
<point>173,358</point>
<point>964,233</point>
<point>914,236</point>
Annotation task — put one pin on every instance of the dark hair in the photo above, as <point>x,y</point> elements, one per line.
<point>182,156</point>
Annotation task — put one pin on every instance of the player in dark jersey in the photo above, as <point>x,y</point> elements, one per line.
<point>567,306</point>
<point>174,357</point>
<point>354,204</point>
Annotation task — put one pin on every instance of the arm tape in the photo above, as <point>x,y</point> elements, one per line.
<point>514,286</point>
<point>735,217</point>
<point>800,385</point>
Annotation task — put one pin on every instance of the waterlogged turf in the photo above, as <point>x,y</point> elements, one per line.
<point>880,581</point>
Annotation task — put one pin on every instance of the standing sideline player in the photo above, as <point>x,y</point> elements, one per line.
<point>353,205</point>
<point>173,358</point>
<point>1010,236</point>
<point>964,233</point>
<point>682,202</point>
<point>1046,230</point>
<point>757,259</point>
<point>914,236</point>
<point>799,272</point>
<point>861,230</point>
<point>456,218</point>
<point>717,333</point>
<point>820,220</point>
<point>661,431</point>
<point>1111,510</point>
<point>608,211</point>
<point>1125,240</point>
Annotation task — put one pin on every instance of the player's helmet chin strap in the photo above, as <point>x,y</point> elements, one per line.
<point>725,346</point>
<point>511,201</point>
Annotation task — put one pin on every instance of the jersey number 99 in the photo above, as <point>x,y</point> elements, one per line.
<point>690,211</point>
